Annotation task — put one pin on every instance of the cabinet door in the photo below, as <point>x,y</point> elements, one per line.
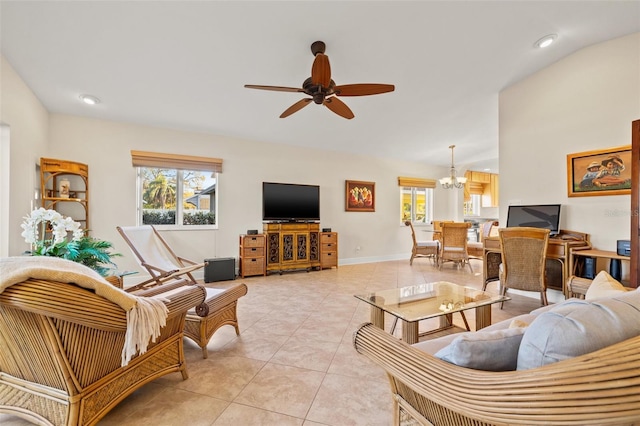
<point>480,177</point>
<point>302,246</point>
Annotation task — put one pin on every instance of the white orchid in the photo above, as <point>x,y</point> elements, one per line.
<point>36,225</point>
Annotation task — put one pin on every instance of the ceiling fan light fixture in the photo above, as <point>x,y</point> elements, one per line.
<point>546,41</point>
<point>89,99</point>
<point>452,181</point>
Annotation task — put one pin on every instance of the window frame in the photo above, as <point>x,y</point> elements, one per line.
<point>429,195</point>
<point>179,163</point>
<point>475,206</point>
<point>179,225</point>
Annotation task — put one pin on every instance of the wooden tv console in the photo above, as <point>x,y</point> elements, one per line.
<point>299,245</point>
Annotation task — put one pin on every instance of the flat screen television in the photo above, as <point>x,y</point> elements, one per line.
<point>290,202</point>
<point>536,216</point>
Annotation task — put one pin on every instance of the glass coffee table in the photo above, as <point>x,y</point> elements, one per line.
<point>432,300</point>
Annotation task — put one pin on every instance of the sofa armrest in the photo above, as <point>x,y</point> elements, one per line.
<point>180,295</point>
<point>66,302</point>
<point>578,286</point>
<point>597,388</point>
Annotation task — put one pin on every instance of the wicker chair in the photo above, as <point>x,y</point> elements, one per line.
<point>524,252</point>
<point>476,249</point>
<point>157,257</point>
<point>454,244</point>
<point>422,248</point>
<point>62,344</point>
<point>600,388</point>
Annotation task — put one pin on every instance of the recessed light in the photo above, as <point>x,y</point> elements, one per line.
<point>89,99</point>
<point>546,40</point>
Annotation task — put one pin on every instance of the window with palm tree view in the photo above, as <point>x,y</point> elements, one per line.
<point>177,197</point>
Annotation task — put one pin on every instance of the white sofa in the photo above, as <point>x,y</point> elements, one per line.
<point>573,363</point>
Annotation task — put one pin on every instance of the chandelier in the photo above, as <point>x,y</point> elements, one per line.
<point>452,181</point>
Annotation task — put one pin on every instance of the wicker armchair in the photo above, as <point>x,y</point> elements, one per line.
<point>454,244</point>
<point>62,350</point>
<point>600,388</point>
<point>524,252</point>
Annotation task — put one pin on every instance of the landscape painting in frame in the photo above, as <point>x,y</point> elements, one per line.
<point>599,172</point>
<point>360,196</point>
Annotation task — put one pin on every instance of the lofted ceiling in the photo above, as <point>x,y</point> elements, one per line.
<point>184,64</point>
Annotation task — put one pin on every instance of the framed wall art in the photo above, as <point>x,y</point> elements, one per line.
<point>599,172</point>
<point>360,196</point>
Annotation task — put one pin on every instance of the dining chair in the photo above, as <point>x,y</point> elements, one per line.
<point>422,248</point>
<point>476,249</point>
<point>524,251</point>
<point>454,244</point>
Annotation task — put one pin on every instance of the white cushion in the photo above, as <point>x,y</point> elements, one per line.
<point>501,325</point>
<point>579,327</point>
<point>495,350</point>
<point>604,285</point>
<point>427,243</point>
<point>211,292</point>
<point>432,346</point>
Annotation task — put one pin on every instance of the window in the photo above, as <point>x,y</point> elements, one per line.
<point>472,207</point>
<point>416,199</point>
<point>177,190</point>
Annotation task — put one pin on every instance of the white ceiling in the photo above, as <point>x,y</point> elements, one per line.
<point>183,64</point>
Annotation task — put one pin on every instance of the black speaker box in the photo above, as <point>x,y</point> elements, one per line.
<point>326,229</point>
<point>623,247</point>
<point>589,268</point>
<point>252,232</point>
<point>615,269</point>
<point>220,269</point>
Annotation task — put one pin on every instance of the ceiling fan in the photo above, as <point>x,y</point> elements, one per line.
<point>323,89</point>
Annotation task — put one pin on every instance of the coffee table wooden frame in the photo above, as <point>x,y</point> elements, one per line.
<point>410,327</point>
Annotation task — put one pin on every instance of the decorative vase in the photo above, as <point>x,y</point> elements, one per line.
<point>64,188</point>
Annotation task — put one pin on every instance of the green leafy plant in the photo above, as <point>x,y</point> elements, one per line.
<point>89,251</point>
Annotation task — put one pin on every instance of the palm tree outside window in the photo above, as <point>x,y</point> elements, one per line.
<point>177,198</point>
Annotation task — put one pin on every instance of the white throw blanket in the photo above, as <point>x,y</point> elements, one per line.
<point>145,316</point>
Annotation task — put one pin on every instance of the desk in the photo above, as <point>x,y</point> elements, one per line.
<point>559,262</point>
<point>612,255</point>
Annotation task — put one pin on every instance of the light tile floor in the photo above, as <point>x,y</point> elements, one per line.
<point>293,363</point>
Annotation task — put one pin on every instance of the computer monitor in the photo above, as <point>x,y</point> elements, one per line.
<point>536,216</point>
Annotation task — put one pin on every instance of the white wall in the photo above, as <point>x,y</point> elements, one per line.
<point>584,102</point>
<point>105,146</point>
<point>28,125</point>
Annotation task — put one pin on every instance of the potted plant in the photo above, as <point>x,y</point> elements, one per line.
<point>47,231</point>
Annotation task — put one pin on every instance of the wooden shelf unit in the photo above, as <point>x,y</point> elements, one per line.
<point>252,259</point>
<point>328,250</point>
<point>292,246</point>
<point>75,203</point>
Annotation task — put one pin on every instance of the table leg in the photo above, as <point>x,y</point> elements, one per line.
<point>377,317</point>
<point>446,320</point>
<point>410,332</point>
<point>483,316</point>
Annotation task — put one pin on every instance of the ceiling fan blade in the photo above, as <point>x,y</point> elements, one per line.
<point>274,88</point>
<point>296,107</point>
<point>321,70</point>
<point>339,107</point>
<point>363,89</point>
